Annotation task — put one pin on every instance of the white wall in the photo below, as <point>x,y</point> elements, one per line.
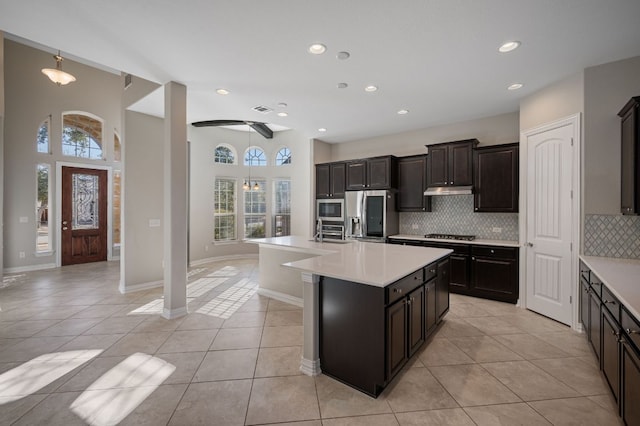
<point>142,200</point>
<point>499,129</point>
<point>203,141</point>
<point>30,97</point>
<point>1,151</point>
<point>607,88</point>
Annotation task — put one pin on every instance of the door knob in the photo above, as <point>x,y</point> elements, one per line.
<point>529,244</point>
<point>64,228</point>
<point>64,222</point>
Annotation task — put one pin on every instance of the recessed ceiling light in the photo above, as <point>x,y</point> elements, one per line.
<point>343,55</point>
<point>322,129</point>
<point>509,46</point>
<point>222,91</point>
<point>317,49</point>
<point>342,85</point>
<point>403,112</point>
<point>282,105</point>
<point>370,89</point>
<point>282,114</point>
<point>515,86</point>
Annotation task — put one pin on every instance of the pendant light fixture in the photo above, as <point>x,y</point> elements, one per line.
<point>56,74</point>
<point>247,184</point>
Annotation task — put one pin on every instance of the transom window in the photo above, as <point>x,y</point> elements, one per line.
<point>81,136</point>
<point>255,157</point>
<point>224,155</point>
<point>43,136</point>
<point>283,156</point>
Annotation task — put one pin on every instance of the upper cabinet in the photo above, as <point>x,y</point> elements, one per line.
<point>372,173</point>
<point>330,180</point>
<point>412,181</point>
<point>496,178</point>
<point>450,163</point>
<point>630,179</point>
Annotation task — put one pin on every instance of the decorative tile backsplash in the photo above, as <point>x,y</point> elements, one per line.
<point>453,214</point>
<point>612,236</point>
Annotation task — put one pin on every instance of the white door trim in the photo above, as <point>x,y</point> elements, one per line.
<point>576,219</point>
<point>58,214</point>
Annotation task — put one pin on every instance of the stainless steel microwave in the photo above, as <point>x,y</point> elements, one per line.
<point>330,210</point>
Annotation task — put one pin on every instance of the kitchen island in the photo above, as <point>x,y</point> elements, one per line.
<point>367,306</point>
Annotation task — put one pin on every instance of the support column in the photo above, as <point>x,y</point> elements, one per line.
<point>310,364</point>
<point>175,200</point>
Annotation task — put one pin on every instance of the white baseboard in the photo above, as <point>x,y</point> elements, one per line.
<point>221,258</point>
<point>139,287</point>
<point>310,367</point>
<point>297,301</point>
<point>29,268</point>
<point>174,313</point>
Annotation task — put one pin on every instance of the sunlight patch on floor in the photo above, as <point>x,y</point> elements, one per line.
<point>230,300</point>
<point>118,392</point>
<point>34,375</point>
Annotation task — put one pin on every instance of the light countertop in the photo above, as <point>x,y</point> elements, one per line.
<point>375,264</point>
<point>621,276</point>
<point>478,241</point>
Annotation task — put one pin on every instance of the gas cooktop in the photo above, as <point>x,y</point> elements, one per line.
<point>451,237</point>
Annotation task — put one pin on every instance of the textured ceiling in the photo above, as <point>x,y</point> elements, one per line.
<point>438,59</point>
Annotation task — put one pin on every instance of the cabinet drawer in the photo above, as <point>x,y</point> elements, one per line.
<point>631,328</point>
<point>596,285</point>
<point>403,286</point>
<point>584,271</point>
<point>430,271</point>
<point>502,252</point>
<point>457,248</point>
<point>611,303</point>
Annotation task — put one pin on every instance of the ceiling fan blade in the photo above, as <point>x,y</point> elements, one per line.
<point>215,123</point>
<point>262,128</point>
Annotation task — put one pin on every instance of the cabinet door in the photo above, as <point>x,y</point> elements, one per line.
<point>630,390</point>
<point>442,288</point>
<point>438,166</point>
<point>379,173</point>
<point>611,353</point>
<point>396,337</point>
<point>430,307</point>
<point>459,279</point>
<point>356,175</point>
<point>594,324</point>
<point>415,302</point>
<point>338,172</point>
<point>629,175</point>
<point>411,185</point>
<point>323,178</point>
<point>494,277</point>
<point>460,164</point>
<point>584,306</point>
<point>496,179</point>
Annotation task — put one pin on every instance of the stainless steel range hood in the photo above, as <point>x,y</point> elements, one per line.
<point>449,190</point>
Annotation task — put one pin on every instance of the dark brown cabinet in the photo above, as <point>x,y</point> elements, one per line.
<point>372,173</point>
<point>368,333</point>
<point>450,163</point>
<point>412,181</point>
<point>330,180</point>
<point>494,272</point>
<point>630,164</point>
<point>610,356</point>
<point>495,181</point>
<point>630,389</point>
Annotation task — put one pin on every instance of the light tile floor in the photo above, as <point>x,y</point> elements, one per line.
<point>489,363</point>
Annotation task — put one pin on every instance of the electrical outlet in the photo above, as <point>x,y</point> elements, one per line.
<point>22,255</point>
<point>24,219</point>
<point>497,230</point>
<point>414,226</point>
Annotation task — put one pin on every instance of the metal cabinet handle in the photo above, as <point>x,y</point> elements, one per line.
<point>609,301</point>
<point>397,290</point>
<point>629,331</point>
<point>492,251</point>
<point>433,271</point>
<point>473,258</point>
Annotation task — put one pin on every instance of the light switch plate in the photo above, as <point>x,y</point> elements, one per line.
<point>154,223</point>
<point>24,219</point>
<point>497,230</point>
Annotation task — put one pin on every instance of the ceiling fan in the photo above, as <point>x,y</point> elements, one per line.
<point>261,128</point>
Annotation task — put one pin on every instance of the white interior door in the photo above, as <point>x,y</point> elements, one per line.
<point>549,222</point>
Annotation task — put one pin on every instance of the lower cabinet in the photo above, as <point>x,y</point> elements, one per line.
<point>610,354</point>
<point>594,323</point>
<point>368,333</point>
<point>630,374</point>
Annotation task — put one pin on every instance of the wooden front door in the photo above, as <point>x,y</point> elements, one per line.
<point>84,215</point>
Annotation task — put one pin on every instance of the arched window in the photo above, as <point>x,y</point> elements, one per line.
<point>117,147</point>
<point>255,157</point>
<point>81,136</point>
<point>225,155</point>
<point>43,136</point>
<point>283,156</point>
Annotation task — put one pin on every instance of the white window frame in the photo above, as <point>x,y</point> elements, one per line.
<point>235,209</point>
<point>49,248</point>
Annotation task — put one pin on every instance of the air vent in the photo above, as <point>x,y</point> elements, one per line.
<point>262,109</point>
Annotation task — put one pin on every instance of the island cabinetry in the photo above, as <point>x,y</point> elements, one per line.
<point>495,272</point>
<point>495,181</point>
<point>330,180</point>
<point>451,163</point>
<point>442,288</point>
<point>372,173</point>
<point>368,333</point>
<point>412,182</point>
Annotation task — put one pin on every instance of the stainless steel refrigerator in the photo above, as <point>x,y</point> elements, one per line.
<point>370,214</point>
